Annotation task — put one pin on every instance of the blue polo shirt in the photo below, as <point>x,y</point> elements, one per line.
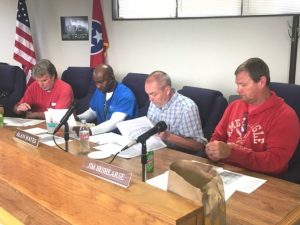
<point>123,100</point>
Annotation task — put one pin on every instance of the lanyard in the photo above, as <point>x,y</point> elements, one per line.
<point>105,107</point>
<point>106,103</point>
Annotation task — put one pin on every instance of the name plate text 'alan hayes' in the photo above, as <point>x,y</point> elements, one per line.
<point>107,172</point>
<point>27,138</point>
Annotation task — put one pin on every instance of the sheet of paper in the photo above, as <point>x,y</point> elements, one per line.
<point>55,115</point>
<point>20,122</point>
<point>110,137</point>
<point>7,219</point>
<point>131,152</point>
<point>132,129</point>
<point>114,143</point>
<point>113,148</point>
<point>231,181</point>
<point>47,139</point>
<point>228,179</point>
<point>36,130</point>
<point>74,136</point>
<point>160,181</point>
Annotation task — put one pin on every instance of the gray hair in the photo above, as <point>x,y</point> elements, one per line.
<point>44,67</point>
<point>160,77</point>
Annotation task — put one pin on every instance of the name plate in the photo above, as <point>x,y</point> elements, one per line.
<point>27,138</point>
<point>107,172</point>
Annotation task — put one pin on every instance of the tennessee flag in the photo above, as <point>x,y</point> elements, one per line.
<point>99,41</point>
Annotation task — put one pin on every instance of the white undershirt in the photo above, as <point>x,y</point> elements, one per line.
<point>109,125</point>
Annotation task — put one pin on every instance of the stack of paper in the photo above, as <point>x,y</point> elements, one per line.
<point>130,130</point>
<point>45,138</point>
<point>20,122</point>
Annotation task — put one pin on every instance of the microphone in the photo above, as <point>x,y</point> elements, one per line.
<point>65,117</point>
<point>159,127</point>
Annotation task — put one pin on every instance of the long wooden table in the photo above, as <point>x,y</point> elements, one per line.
<point>275,202</point>
<point>45,185</point>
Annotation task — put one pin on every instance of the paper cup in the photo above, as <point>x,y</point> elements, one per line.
<point>51,127</point>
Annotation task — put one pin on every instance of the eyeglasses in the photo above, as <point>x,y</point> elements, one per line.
<point>244,123</point>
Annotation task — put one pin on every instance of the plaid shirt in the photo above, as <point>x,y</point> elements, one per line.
<point>181,115</point>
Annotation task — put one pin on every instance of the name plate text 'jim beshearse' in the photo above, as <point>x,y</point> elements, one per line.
<point>107,172</point>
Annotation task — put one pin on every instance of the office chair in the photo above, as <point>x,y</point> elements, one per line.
<point>231,98</point>
<point>290,93</point>
<point>211,105</point>
<point>136,82</point>
<point>83,86</point>
<point>12,87</point>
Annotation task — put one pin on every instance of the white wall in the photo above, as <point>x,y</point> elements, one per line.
<point>196,52</point>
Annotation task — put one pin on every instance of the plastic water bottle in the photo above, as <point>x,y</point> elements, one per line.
<point>84,135</point>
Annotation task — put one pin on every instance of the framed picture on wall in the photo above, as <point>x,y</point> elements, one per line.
<point>74,28</point>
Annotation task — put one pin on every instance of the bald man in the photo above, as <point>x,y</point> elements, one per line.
<point>111,103</point>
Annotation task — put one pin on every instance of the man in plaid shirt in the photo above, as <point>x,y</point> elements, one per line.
<point>179,112</point>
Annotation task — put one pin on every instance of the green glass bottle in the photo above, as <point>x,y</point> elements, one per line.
<point>1,120</point>
<point>150,162</point>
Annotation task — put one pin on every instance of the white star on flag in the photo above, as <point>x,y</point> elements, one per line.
<point>98,37</point>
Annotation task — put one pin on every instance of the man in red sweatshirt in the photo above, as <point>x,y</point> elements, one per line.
<point>259,131</point>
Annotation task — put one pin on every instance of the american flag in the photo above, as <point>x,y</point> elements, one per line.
<point>24,50</point>
<point>99,41</point>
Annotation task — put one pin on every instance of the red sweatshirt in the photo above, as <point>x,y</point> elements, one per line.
<point>270,139</point>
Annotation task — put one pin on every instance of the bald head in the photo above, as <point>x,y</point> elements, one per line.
<point>105,71</point>
<point>104,78</point>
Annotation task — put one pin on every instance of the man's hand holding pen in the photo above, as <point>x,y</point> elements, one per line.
<point>23,107</point>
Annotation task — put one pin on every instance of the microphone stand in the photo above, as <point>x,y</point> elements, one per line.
<point>144,160</point>
<point>66,136</point>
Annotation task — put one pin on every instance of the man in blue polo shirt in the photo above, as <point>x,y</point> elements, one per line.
<point>111,103</point>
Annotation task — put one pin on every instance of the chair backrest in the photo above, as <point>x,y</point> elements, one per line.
<point>231,98</point>
<point>291,94</point>
<point>211,105</point>
<point>83,86</point>
<point>136,82</point>
<point>13,84</point>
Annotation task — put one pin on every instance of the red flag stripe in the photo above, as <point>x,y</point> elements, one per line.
<point>24,55</point>
<point>23,48</point>
<point>23,34</point>
<point>24,42</point>
<point>22,60</point>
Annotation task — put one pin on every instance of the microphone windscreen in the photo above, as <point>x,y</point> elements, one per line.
<point>161,125</point>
